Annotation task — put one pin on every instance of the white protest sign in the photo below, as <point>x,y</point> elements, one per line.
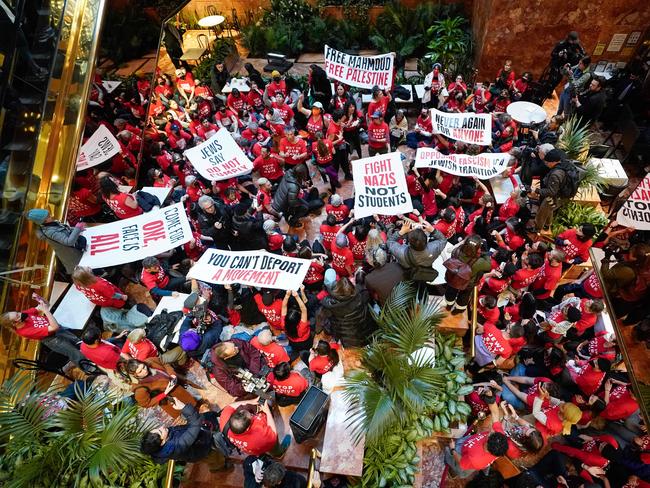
<point>466,127</point>
<point>253,268</point>
<point>110,86</point>
<point>219,158</point>
<point>359,71</point>
<point>483,166</point>
<point>380,186</point>
<point>99,147</point>
<point>635,212</point>
<point>136,238</point>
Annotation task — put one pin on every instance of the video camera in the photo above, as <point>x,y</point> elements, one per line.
<point>254,384</point>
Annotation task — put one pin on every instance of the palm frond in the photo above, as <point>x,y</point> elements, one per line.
<point>575,139</point>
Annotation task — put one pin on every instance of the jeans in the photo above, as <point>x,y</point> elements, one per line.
<point>507,395</point>
<point>64,342</point>
<point>575,288</point>
<point>413,139</point>
<point>454,467</point>
<point>117,320</point>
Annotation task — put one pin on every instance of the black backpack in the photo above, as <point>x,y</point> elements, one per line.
<point>161,327</point>
<point>572,180</point>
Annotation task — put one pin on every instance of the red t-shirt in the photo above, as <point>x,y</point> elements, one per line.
<point>489,314</point>
<point>322,364</point>
<point>358,247</point>
<point>378,135</point>
<point>513,241</point>
<point>268,168</point>
<point>274,352</point>
<point>105,355</point>
<point>341,212</point>
<point>587,320</point>
<point>273,313</point>
<point>413,184</point>
<point>525,277</point>
<point>142,350</point>
<point>292,149</point>
<point>621,404</point>
<point>35,325</point>
<point>292,386</point>
<point>592,286</point>
<point>533,392</point>
<point>236,103</point>
<point>119,207</point>
<point>315,273</point>
<point>315,125</point>
<point>342,257</point>
<point>575,248</point>
<point>101,293</point>
<point>588,379</point>
<point>326,158</point>
<point>547,279</point>
<point>274,87</point>
<point>429,203</point>
<point>381,105</point>
<point>329,234</point>
<point>474,454</point>
<point>303,329</point>
<point>553,422</point>
<point>447,229</point>
<point>257,440</point>
<point>186,83</point>
<point>154,280</point>
<point>285,111</point>
<point>495,342</point>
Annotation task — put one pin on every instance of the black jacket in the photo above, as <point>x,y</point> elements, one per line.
<point>592,105</point>
<point>350,318</point>
<point>552,183</point>
<point>186,442</point>
<point>286,195</point>
<point>218,79</point>
<point>223,236</point>
<point>249,233</point>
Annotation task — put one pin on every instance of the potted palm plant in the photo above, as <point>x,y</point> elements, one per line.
<point>408,389</point>
<point>52,441</point>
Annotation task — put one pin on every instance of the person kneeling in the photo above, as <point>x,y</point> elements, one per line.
<point>289,386</point>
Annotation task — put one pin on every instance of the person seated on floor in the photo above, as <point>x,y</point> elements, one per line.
<point>289,386</point>
<point>229,359</point>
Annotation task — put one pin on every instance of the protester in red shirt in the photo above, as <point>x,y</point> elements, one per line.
<point>185,85</point>
<point>487,309</point>
<point>555,419</point>
<point>98,290</point>
<point>528,274</point>
<point>492,344</point>
<point>123,205</point>
<point>279,107</point>
<point>576,243</point>
<point>378,104</point>
<point>337,208</point>
<point>511,239</point>
<point>619,401</point>
<point>137,346</point>
<point>589,376</point>
<point>269,165</point>
<point>273,352</point>
<point>342,257</point>
<point>103,353</point>
<point>550,275</point>
<point>292,148</point>
<point>324,357</point>
<point>296,322</point>
<point>289,386</point>
<point>83,203</point>
<point>270,307</point>
<point>378,135</point>
<point>235,101</point>
<point>156,279</point>
<point>323,150</point>
<point>255,98</point>
<point>276,86</point>
<point>251,429</point>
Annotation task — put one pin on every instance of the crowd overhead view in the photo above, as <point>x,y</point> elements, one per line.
<point>292,243</point>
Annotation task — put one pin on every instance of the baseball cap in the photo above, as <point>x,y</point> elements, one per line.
<point>376,114</point>
<point>275,73</point>
<point>318,105</point>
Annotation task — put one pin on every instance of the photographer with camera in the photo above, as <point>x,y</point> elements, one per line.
<point>578,77</point>
<point>250,427</point>
<point>228,359</point>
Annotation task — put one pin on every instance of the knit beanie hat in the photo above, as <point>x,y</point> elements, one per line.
<point>37,215</point>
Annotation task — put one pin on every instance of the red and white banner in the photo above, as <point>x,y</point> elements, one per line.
<point>99,147</point>
<point>635,212</point>
<point>136,238</point>
<point>360,71</point>
<point>253,268</point>
<point>466,127</point>
<point>380,186</point>
<point>219,158</point>
<point>482,166</point>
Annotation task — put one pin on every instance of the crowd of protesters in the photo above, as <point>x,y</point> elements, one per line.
<point>546,371</point>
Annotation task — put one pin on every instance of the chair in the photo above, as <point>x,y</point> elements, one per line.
<point>204,43</point>
<point>210,10</point>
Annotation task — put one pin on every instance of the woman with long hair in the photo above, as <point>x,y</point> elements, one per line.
<point>323,151</point>
<point>351,121</point>
<point>123,205</point>
<point>296,322</point>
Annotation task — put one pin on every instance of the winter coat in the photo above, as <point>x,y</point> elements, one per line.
<point>223,236</point>
<point>408,258</point>
<point>286,196</point>
<point>350,318</point>
<point>226,377</point>
<point>187,442</point>
<point>63,239</point>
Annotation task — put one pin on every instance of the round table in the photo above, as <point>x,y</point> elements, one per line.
<point>526,112</point>
<point>211,21</point>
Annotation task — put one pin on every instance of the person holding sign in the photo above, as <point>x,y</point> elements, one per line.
<point>296,322</point>
<point>378,135</point>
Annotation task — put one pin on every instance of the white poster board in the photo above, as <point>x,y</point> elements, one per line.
<point>360,71</point>
<point>635,212</point>
<point>466,127</point>
<point>136,238</point>
<point>380,186</point>
<point>99,147</point>
<point>483,166</point>
<point>219,158</point>
<point>253,268</point>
